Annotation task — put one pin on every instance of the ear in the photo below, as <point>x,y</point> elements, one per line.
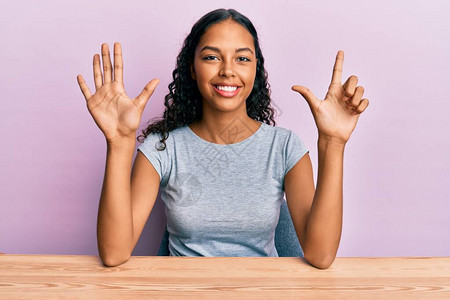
<point>193,75</point>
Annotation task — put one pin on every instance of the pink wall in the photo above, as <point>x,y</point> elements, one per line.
<point>396,167</point>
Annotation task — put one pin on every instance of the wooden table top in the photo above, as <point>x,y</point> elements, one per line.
<point>82,276</point>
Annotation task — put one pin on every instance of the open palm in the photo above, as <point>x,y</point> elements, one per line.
<point>336,116</point>
<point>113,111</point>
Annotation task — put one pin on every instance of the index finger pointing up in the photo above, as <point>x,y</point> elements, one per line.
<point>337,69</point>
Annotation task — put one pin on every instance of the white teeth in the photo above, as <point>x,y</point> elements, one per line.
<point>226,88</point>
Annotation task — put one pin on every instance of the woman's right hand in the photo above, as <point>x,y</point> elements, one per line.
<point>113,111</point>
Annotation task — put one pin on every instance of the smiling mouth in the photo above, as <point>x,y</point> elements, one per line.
<point>226,88</point>
<point>227,91</point>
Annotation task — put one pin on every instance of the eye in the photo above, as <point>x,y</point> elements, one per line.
<point>210,57</point>
<point>243,58</point>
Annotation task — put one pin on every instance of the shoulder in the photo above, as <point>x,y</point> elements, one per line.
<point>277,129</point>
<point>154,139</point>
<point>278,132</point>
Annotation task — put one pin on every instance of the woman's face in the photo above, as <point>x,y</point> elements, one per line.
<point>225,65</point>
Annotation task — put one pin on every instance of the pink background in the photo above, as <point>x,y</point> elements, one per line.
<point>396,165</point>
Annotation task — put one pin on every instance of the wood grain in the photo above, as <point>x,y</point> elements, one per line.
<point>77,277</point>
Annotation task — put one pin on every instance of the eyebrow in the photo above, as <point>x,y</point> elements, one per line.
<point>215,49</point>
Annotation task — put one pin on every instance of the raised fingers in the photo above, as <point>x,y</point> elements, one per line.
<point>147,92</point>
<point>98,78</point>
<point>107,69</point>
<point>84,88</point>
<point>337,69</point>
<point>118,63</point>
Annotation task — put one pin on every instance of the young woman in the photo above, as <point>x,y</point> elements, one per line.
<point>223,169</point>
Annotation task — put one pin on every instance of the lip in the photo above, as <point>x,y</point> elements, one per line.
<point>226,83</point>
<point>226,94</point>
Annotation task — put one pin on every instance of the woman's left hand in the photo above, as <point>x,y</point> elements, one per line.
<point>336,116</point>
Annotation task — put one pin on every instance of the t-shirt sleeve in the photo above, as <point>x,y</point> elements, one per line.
<point>294,150</point>
<point>159,159</point>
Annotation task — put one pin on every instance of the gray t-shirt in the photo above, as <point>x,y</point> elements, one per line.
<point>223,200</point>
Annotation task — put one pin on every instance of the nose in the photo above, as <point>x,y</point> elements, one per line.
<point>226,69</point>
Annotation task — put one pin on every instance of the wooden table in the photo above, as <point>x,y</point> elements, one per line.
<point>85,277</point>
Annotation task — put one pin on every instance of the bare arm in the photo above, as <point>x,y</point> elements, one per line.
<point>115,220</point>
<point>324,224</point>
<point>317,216</point>
<point>124,206</point>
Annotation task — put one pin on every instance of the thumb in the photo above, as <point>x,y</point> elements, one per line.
<point>306,93</point>
<point>147,92</point>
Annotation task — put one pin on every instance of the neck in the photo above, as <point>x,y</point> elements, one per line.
<point>225,128</point>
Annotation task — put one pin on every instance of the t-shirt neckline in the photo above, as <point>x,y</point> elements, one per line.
<point>226,145</point>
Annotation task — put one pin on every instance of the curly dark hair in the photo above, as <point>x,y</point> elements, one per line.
<point>184,102</point>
